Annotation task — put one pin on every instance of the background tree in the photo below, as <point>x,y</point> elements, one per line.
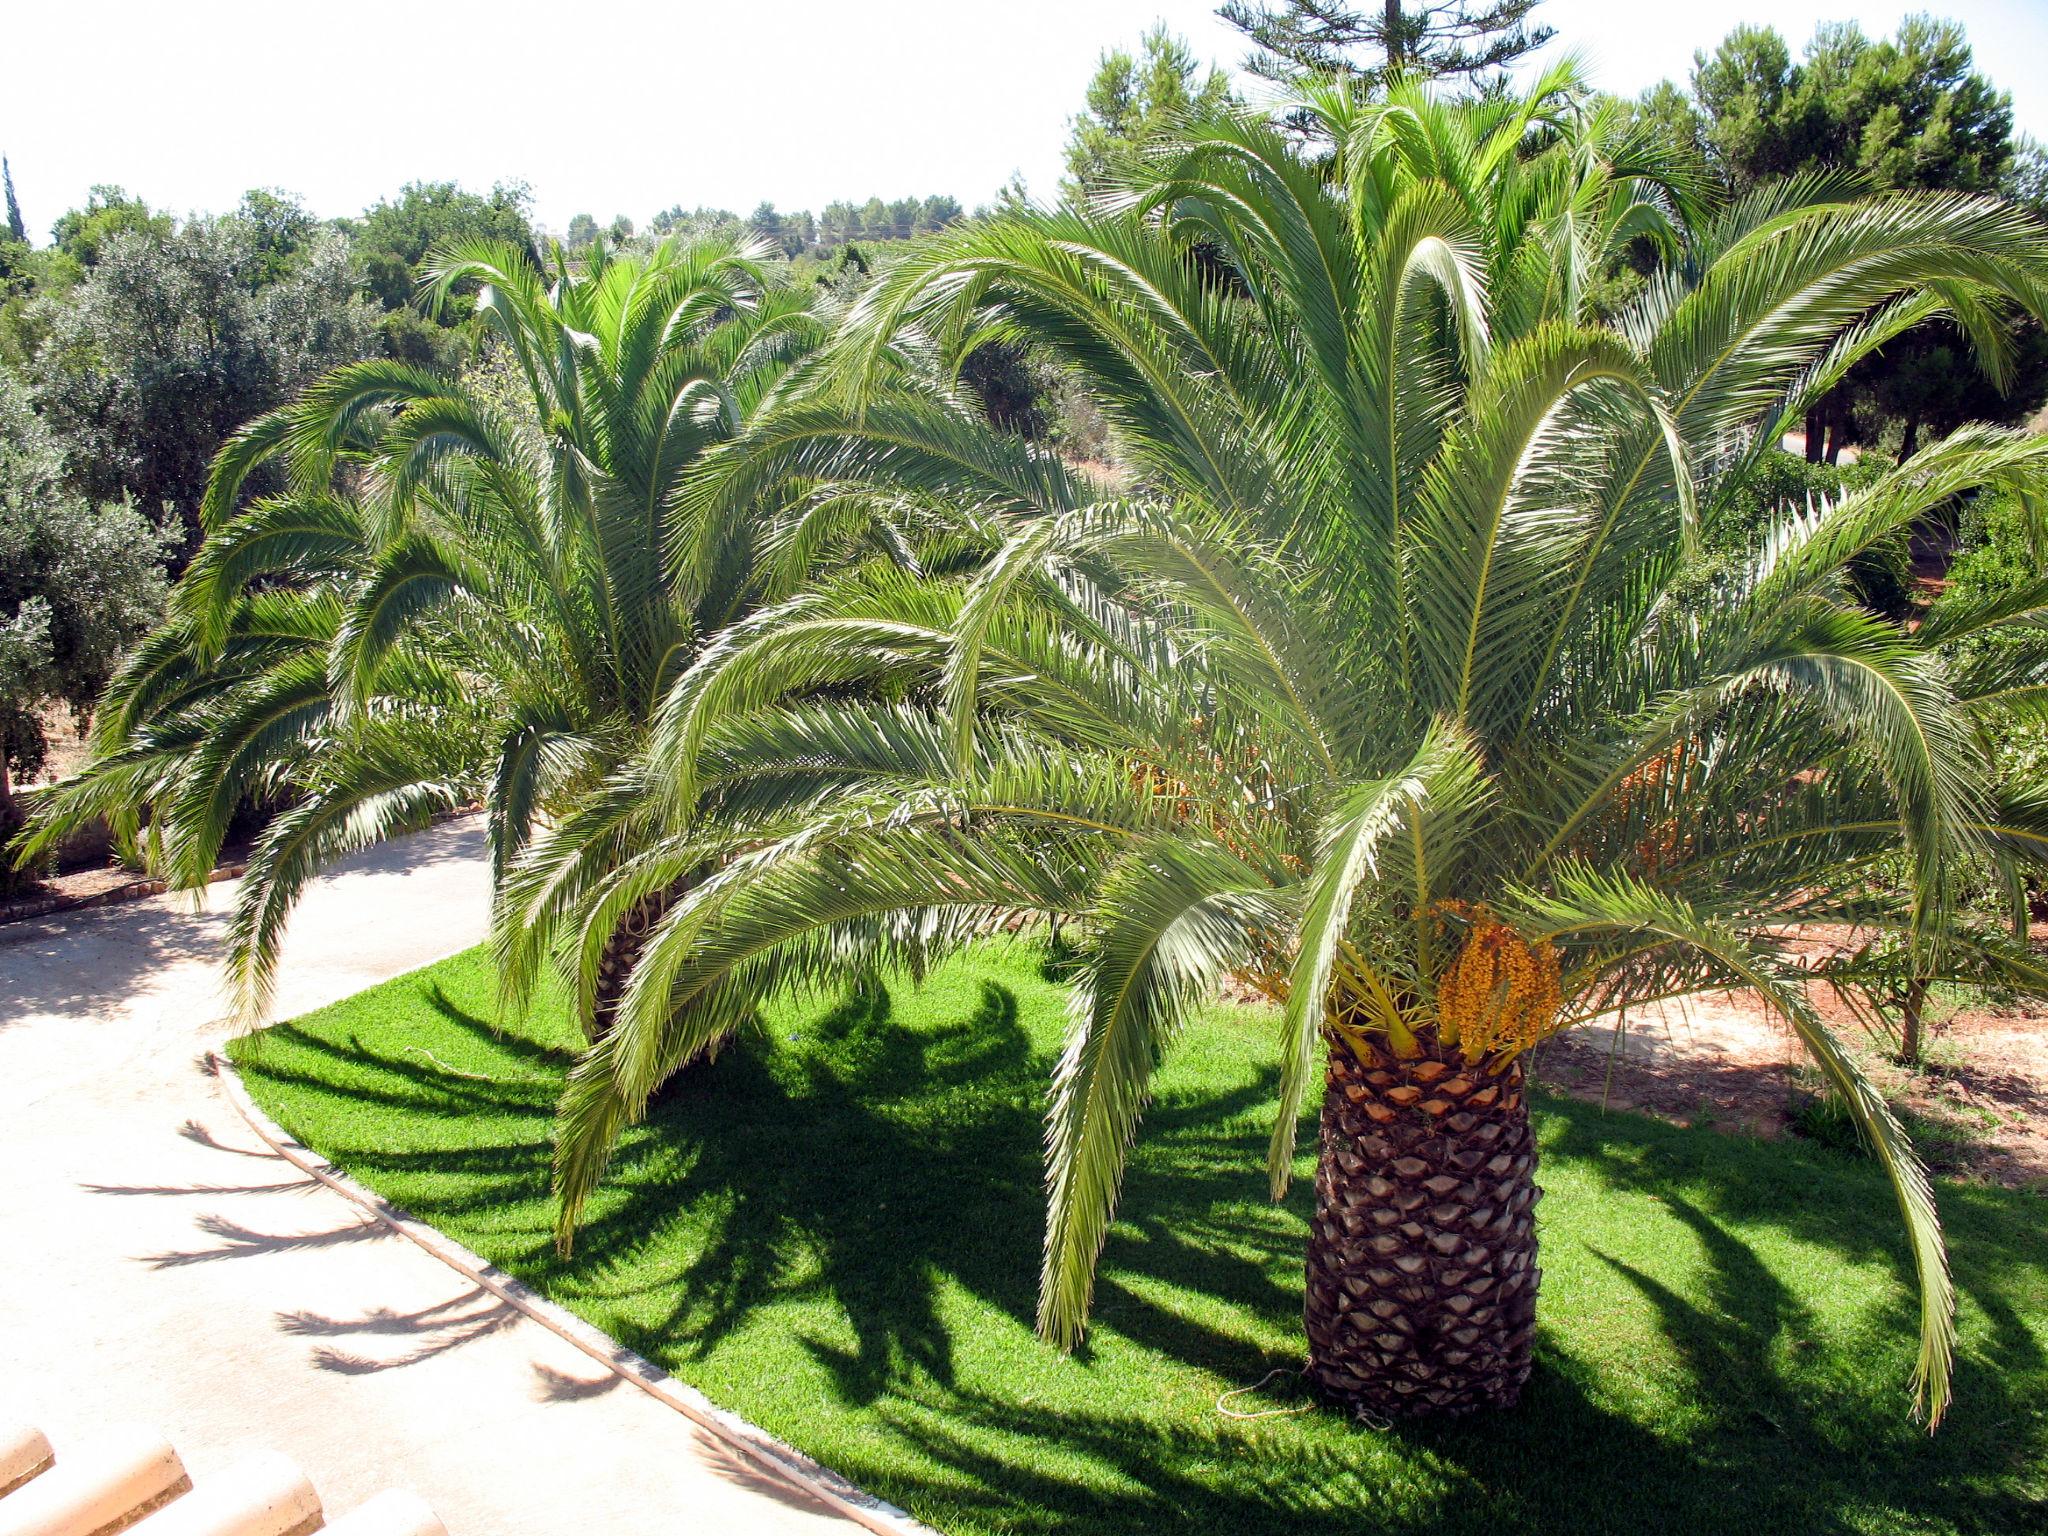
<point>16,229</point>
<point>82,233</point>
<point>1909,112</point>
<point>695,223</point>
<point>1134,105</point>
<point>769,225</point>
<point>799,233</point>
<point>1294,40</point>
<point>78,584</point>
<point>582,232</point>
<point>279,229</point>
<point>839,223</point>
<point>174,340</point>
<point>392,238</point>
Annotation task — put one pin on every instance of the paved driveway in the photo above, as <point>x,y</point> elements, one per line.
<point>157,1264</point>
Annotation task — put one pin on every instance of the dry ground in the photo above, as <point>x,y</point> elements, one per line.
<point>1978,1105</point>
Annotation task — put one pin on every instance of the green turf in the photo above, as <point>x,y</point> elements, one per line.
<point>834,1231</point>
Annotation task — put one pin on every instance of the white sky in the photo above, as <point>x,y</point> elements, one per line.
<point>627,106</point>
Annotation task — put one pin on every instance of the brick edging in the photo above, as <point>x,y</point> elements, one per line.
<point>757,1445</point>
<point>135,890</point>
<point>145,886</point>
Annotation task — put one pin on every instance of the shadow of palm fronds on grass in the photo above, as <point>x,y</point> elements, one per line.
<point>834,1230</point>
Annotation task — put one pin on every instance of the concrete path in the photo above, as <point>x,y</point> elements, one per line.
<point>158,1264</point>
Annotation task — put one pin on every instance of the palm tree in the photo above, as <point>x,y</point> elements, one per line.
<point>460,589</point>
<point>1398,681</point>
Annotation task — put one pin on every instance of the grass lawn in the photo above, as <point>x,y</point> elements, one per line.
<point>834,1230</point>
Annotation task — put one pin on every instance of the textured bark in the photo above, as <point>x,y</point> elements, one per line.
<point>621,954</point>
<point>1422,1256</point>
<point>1911,1007</point>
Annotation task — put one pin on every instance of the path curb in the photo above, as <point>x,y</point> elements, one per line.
<point>757,1445</point>
<point>139,889</point>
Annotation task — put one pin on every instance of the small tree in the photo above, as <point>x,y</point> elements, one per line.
<point>937,212</point>
<point>1134,105</point>
<point>16,229</point>
<point>767,222</point>
<point>1293,40</point>
<point>1910,111</point>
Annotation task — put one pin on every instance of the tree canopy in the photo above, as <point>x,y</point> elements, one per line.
<point>1908,112</point>
<point>1135,105</point>
<point>177,335</point>
<point>78,585</point>
<point>1405,672</point>
<point>1298,40</point>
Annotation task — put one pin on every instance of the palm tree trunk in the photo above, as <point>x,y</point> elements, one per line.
<point>1422,1256</point>
<point>1910,1008</point>
<point>622,954</point>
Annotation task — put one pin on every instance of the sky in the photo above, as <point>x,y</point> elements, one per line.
<point>629,106</point>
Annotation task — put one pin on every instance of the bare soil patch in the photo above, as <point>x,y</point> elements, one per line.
<point>1977,1105</point>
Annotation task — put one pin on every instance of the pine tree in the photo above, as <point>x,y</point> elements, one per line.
<point>15,227</point>
<point>1134,104</point>
<point>1295,39</point>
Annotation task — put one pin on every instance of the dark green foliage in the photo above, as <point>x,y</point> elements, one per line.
<point>280,234</point>
<point>16,229</point>
<point>799,233</point>
<point>1297,40</point>
<point>394,236</point>
<point>1011,390</point>
<point>696,222</point>
<point>2003,549</point>
<point>830,1231</point>
<point>1930,382</point>
<point>768,224</point>
<point>2002,557</point>
<point>1906,112</point>
<point>1781,482</point>
<point>1910,112</point>
<point>77,585</point>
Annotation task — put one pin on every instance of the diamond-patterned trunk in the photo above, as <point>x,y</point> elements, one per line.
<point>1422,1256</point>
<point>622,953</point>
